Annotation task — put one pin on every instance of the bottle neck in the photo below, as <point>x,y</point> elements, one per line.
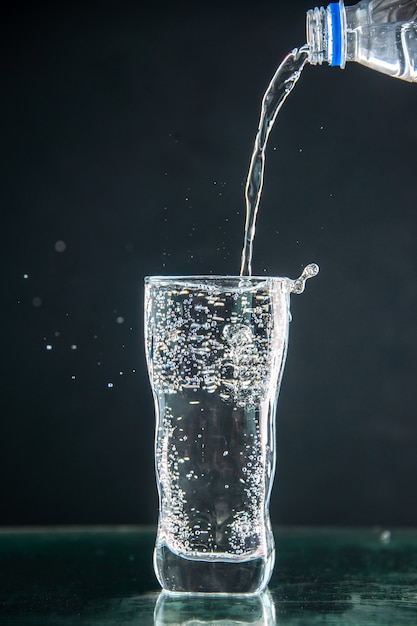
<point>326,34</point>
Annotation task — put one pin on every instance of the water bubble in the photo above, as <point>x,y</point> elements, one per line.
<point>60,246</point>
<point>37,302</point>
<point>120,319</point>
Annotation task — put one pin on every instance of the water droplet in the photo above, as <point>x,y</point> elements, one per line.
<point>48,346</point>
<point>120,319</point>
<point>385,537</point>
<point>309,271</point>
<point>110,385</point>
<point>57,333</point>
<point>60,246</point>
<point>74,346</point>
<point>37,302</point>
<point>25,276</point>
<point>73,377</point>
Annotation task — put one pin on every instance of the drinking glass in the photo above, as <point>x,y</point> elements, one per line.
<point>216,348</point>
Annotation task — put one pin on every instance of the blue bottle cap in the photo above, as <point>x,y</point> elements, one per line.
<point>335,26</point>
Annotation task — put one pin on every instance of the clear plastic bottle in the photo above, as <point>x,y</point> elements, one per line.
<point>380,34</point>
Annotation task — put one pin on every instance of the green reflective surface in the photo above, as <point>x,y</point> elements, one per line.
<point>105,576</point>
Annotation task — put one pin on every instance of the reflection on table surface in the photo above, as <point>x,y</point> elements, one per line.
<point>257,610</point>
<point>103,576</point>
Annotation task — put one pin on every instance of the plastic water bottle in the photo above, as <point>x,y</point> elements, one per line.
<point>380,34</point>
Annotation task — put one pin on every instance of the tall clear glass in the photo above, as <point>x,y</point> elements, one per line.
<point>216,347</point>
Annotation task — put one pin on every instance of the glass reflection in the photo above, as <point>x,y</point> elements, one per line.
<point>205,610</point>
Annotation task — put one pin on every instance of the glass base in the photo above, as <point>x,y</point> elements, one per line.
<point>181,575</point>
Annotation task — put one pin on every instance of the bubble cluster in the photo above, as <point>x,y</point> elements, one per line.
<point>215,360</point>
<point>223,343</point>
<point>212,498</point>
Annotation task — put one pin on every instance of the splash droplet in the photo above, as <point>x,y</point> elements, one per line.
<point>310,270</point>
<point>385,537</point>
<point>60,246</point>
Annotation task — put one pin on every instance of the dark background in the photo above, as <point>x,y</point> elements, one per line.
<point>126,133</point>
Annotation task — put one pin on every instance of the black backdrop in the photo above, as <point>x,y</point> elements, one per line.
<point>126,136</point>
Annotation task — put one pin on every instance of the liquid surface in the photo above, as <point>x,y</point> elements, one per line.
<point>281,85</point>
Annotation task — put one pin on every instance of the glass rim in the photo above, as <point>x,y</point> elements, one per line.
<point>233,281</point>
<point>212,277</point>
<point>222,283</point>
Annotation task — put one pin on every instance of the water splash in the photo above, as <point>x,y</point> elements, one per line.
<point>299,284</point>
